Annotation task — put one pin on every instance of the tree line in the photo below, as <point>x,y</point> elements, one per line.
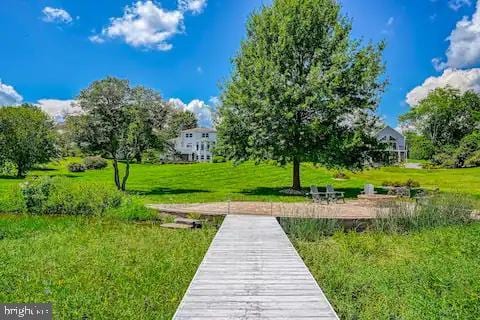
<point>117,121</point>
<point>444,128</point>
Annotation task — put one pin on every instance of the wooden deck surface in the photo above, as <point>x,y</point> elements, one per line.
<point>252,271</point>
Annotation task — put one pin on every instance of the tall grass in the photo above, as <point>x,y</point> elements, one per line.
<point>306,229</point>
<point>438,211</point>
<point>395,217</point>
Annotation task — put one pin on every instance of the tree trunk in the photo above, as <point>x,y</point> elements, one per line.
<point>125,177</point>
<point>116,173</point>
<point>20,173</point>
<point>138,157</point>
<point>296,185</point>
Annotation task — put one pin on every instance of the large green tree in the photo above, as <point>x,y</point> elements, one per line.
<point>302,89</point>
<point>118,121</point>
<point>445,116</point>
<point>27,137</point>
<point>180,120</point>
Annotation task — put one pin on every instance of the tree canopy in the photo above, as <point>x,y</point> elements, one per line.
<point>444,128</point>
<point>118,121</point>
<point>445,116</point>
<point>302,90</point>
<point>27,137</point>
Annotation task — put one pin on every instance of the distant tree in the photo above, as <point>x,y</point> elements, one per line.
<point>119,122</point>
<point>180,120</point>
<point>27,137</point>
<point>445,116</point>
<point>419,147</point>
<point>302,90</point>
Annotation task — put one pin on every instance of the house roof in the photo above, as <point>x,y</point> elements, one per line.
<point>200,130</point>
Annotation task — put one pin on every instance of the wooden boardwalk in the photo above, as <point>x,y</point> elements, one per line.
<point>252,271</point>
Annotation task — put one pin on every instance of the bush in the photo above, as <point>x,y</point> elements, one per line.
<point>473,160</point>
<point>410,183</point>
<point>468,150</point>
<point>132,209</point>
<point>76,167</point>
<point>94,163</point>
<point>151,156</point>
<point>419,147</point>
<point>340,175</point>
<point>59,195</point>
<point>438,211</point>
<point>218,159</point>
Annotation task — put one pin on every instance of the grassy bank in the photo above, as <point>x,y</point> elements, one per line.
<point>223,181</point>
<point>430,274</point>
<point>97,268</point>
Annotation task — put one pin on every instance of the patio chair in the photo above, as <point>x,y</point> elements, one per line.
<point>333,195</point>
<point>369,190</point>
<point>317,196</point>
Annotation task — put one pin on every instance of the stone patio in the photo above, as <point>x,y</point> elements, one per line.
<point>354,209</point>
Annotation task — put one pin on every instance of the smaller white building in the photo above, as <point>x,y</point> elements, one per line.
<point>196,145</point>
<point>397,144</point>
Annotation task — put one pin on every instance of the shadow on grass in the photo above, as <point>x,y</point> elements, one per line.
<point>162,191</point>
<point>266,191</point>
<point>44,169</point>
<point>5,177</point>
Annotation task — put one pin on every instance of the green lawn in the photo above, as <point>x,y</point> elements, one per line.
<point>433,274</point>
<point>223,181</point>
<point>107,268</point>
<point>98,268</point>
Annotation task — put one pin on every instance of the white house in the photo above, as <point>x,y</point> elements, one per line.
<point>196,145</point>
<point>397,145</point>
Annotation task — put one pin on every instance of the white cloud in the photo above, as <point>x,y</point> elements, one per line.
<point>58,109</point>
<point>464,49</point>
<point>144,25</point>
<point>460,79</point>
<point>56,15</point>
<point>203,111</point>
<point>9,96</point>
<point>457,4</point>
<point>195,6</point>
<point>390,21</point>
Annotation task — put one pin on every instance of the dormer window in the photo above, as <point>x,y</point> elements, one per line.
<point>189,135</point>
<point>204,135</point>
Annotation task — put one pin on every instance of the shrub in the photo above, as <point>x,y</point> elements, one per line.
<point>438,211</point>
<point>218,159</point>
<point>132,209</point>
<point>76,167</point>
<point>60,195</point>
<point>410,183</point>
<point>340,175</point>
<point>473,160</point>
<point>95,163</point>
<point>151,156</point>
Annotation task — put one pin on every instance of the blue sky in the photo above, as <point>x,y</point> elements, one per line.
<point>183,48</point>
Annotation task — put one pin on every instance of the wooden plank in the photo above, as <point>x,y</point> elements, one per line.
<point>252,271</point>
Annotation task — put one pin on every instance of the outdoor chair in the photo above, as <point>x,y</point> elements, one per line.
<point>328,196</point>
<point>334,195</point>
<point>369,190</point>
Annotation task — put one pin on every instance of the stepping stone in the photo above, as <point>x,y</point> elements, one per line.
<point>191,222</point>
<point>176,226</point>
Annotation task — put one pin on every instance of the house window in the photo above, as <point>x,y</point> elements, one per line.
<point>197,146</point>
<point>189,145</point>
<point>189,135</point>
<point>204,135</point>
<point>202,146</point>
<point>202,157</point>
<point>208,157</point>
